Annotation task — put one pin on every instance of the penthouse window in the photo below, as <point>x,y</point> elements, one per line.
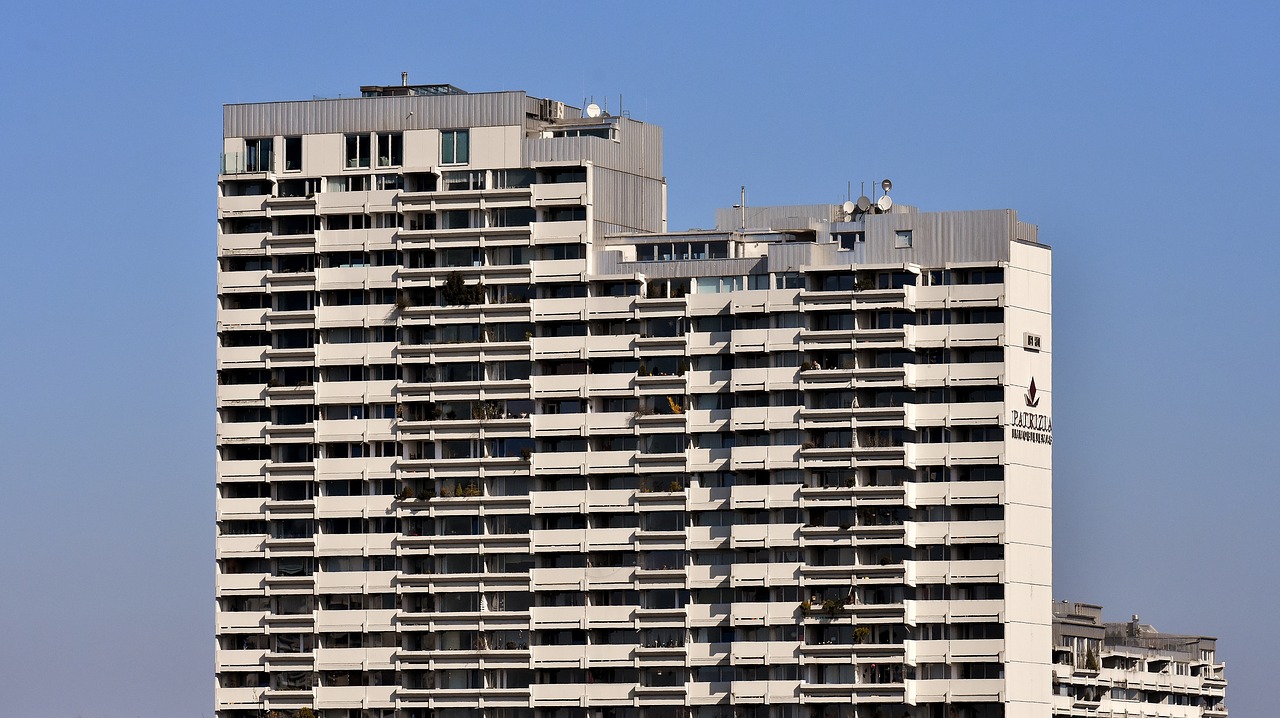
<point>608,132</point>
<point>670,251</point>
<point>292,154</point>
<point>390,149</point>
<point>356,151</point>
<point>455,147</point>
<point>257,154</point>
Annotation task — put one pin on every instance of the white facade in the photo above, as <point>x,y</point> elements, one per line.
<point>492,442</point>
<point>1123,670</point>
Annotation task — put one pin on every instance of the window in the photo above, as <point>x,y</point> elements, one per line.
<point>355,183</point>
<point>390,149</point>
<point>357,151</point>
<point>513,179</point>
<point>902,239</point>
<point>463,181</point>
<point>850,240</point>
<point>292,154</point>
<point>455,147</point>
<point>257,155</point>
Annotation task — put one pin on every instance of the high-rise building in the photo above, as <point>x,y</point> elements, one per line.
<point>1106,670</point>
<point>492,442</point>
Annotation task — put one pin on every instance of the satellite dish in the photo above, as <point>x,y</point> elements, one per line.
<point>884,203</point>
<point>593,110</point>
<point>848,207</point>
<point>864,203</point>
<point>886,185</point>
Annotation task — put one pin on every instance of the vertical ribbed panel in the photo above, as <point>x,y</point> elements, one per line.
<point>628,202</point>
<point>374,114</point>
<point>685,267</point>
<point>775,217</point>
<point>637,151</point>
<point>790,257</point>
<point>940,238</point>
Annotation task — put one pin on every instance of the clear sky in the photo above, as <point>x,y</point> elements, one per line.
<point>1140,137</point>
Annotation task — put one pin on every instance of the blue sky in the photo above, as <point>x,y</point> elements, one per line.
<point>1139,137</point>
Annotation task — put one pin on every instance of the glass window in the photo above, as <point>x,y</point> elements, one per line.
<point>292,154</point>
<point>902,239</point>
<point>356,151</point>
<point>455,147</point>
<point>257,157</point>
<point>390,149</point>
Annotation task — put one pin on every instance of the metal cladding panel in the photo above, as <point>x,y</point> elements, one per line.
<point>607,261</point>
<point>638,149</point>
<point>940,238</point>
<point>792,216</point>
<point>791,256</point>
<point>374,114</point>
<point>629,202</point>
<point>694,268</point>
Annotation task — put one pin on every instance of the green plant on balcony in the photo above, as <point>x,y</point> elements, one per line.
<point>861,634</point>
<point>471,490</point>
<point>675,487</point>
<point>1091,660</point>
<point>457,292</point>
<point>830,606</point>
<point>805,607</point>
<point>405,493</point>
<point>486,410</point>
<point>526,454</point>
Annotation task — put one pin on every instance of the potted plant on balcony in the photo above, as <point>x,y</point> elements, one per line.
<point>805,608</point>
<point>861,634</point>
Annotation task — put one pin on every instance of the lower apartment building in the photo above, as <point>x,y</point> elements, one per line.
<point>493,442</point>
<point>1107,670</point>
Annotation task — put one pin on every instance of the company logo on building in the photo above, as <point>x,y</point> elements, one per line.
<point>1030,397</point>
<point>1030,426</point>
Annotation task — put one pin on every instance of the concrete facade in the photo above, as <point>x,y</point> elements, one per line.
<point>492,441</point>
<point>1130,669</point>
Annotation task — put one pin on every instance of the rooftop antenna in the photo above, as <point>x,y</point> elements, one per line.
<point>864,202</point>
<point>885,203</point>
<point>742,223</point>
